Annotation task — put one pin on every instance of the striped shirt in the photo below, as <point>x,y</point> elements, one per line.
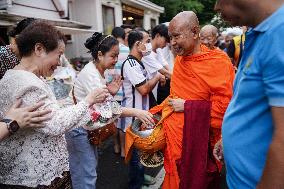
<point>134,75</point>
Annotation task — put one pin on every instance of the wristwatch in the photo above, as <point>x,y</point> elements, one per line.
<point>12,125</point>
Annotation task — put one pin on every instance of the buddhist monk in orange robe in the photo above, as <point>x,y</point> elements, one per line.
<point>199,74</point>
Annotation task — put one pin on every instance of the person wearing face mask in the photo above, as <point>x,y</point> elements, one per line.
<point>136,88</point>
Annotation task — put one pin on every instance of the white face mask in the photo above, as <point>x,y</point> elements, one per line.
<point>148,49</point>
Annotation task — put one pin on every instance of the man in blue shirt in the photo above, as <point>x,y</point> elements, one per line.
<point>253,126</point>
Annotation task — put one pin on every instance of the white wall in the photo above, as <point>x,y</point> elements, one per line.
<point>148,15</point>
<point>34,12</point>
<point>116,4</point>
<point>90,13</point>
<point>147,20</point>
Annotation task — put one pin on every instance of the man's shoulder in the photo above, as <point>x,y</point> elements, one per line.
<point>123,48</point>
<point>131,62</point>
<point>150,58</point>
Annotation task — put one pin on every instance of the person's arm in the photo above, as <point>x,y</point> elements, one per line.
<point>218,150</point>
<point>136,76</point>
<point>4,132</point>
<point>144,116</point>
<point>64,119</point>
<point>166,73</point>
<point>176,104</point>
<point>25,117</point>
<point>273,173</point>
<point>167,67</point>
<point>272,65</point>
<point>146,87</point>
<point>153,65</point>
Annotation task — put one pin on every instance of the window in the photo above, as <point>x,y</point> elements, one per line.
<point>153,23</point>
<point>108,19</point>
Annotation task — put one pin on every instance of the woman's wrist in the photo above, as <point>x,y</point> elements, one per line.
<point>135,112</point>
<point>88,101</point>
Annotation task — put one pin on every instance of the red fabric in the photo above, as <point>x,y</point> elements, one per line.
<point>196,168</point>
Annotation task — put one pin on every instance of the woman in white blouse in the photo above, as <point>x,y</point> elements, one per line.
<point>82,155</point>
<point>37,157</point>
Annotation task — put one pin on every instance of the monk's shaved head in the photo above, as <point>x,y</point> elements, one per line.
<point>209,29</point>
<point>186,19</point>
<point>208,36</point>
<point>184,33</point>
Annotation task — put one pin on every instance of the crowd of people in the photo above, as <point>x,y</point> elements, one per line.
<point>222,95</point>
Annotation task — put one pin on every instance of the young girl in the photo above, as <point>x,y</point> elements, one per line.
<point>82,155</point>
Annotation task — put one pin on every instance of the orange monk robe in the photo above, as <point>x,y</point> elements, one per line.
<point>208,76</point>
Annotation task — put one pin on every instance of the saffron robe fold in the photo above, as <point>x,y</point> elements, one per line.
<point>209,76</point>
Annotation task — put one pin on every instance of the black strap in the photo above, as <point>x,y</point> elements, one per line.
<point>128,59</point>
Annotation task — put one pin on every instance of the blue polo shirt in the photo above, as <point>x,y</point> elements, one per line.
<point>259,85</point>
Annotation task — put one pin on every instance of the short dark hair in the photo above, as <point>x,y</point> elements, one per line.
<point>118,32</point>
<point>20,27</point>
<point>133,37</point>
<point>162,30</point>
<point>141,29</point>
<point>99,42</point>
<point>38,32</point>
<point>125,26</point>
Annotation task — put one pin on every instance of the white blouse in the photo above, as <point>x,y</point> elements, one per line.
<point>88,80</point>
<point>34,157</point>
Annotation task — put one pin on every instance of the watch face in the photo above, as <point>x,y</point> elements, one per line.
<point>14,126</point>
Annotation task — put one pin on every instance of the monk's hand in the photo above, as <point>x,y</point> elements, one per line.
<point>177,104</point>
<point>218,150</point>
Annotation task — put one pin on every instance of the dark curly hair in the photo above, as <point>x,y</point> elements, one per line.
<point>38,32</point>
<point>99,42</point>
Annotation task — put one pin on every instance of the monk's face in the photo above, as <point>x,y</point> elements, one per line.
<point>182,38</point>
<point>237,12</point>
<point>208,38</point>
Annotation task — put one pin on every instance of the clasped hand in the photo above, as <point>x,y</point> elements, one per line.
<point>114,85</point>
<point>177,104</point>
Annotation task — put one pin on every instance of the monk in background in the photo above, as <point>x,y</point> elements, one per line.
<point>199,74</point>
<point>208,36</point>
